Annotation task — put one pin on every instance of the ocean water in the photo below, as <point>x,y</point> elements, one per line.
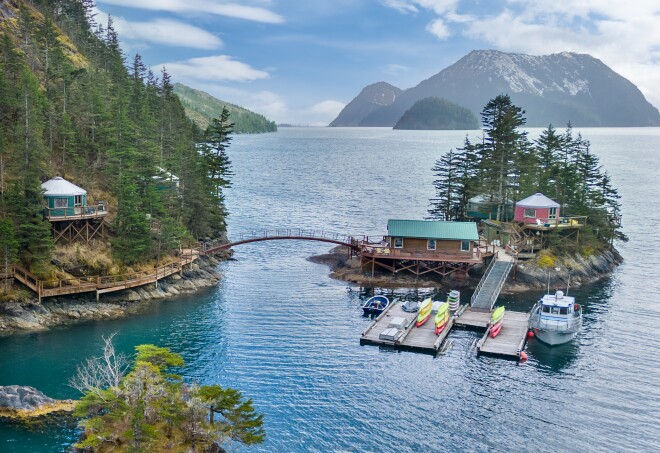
<point>280,330</point>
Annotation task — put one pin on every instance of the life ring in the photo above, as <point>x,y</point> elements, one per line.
<point>576,307</point>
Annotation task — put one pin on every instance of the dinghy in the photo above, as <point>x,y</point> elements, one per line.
<point>375,305</point>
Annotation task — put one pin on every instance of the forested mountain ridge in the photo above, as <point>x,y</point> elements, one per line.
<point>372,98</point>
<point>72,105</point>
<point>555,89</point>
<point>201,107</point>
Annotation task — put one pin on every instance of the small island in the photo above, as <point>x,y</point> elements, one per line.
<point>433,113</point>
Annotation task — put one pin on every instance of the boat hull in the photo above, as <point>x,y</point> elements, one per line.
<point>553,337</point>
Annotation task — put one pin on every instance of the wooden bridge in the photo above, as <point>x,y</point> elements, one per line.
<point>289,234</point>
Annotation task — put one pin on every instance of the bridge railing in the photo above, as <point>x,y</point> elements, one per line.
<point>279,233</point>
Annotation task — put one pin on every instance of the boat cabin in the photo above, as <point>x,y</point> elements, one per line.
<point>538,210</point>
<point>423,236</point>
<point>557,306</point>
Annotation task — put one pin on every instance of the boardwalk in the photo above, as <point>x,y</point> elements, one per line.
<point>100,284</point>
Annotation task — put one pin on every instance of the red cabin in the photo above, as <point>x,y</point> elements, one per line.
<point>537,209</point>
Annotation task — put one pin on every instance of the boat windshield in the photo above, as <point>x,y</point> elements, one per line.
<point>549,309</point>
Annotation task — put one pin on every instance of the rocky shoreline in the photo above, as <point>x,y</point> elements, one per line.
<point>526,277</point>
<point>23,402</point>
<point>58,311</point>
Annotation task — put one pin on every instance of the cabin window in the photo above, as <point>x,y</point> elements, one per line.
<point>554,311</point>
<point>530,213</point>
<point>546,309</point>
<point>465,246</point>
<point>398,243</point>
<point>430,244</point>
<point>61,202</point>
<point>77,200</point>
<point>563,311</point>
<point>552,213</point>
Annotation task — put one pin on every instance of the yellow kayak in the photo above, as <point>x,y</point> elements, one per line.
<point>442,317</point>
<point>497,315</point>
<point>424,311</point>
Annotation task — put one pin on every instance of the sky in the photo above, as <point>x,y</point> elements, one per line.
<point>301,61</point>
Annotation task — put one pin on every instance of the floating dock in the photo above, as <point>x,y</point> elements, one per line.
<point>421,339</point>
<point>507,344</point>
<point>511,339</point>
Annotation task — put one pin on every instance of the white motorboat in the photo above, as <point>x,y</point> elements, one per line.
<point>556,319</point>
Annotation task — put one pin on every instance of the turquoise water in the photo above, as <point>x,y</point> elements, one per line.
<point>279,329</point>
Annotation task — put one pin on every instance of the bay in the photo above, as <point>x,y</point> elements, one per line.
<point>280,330</point>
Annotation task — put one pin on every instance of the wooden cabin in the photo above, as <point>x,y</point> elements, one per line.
<point>424,246</point>
<point>423,236</point>
<point>538,210</point>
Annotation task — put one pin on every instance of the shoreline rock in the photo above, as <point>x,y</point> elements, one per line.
<point>52,312</point>
<point>24,402</point>
<point>526,277</point>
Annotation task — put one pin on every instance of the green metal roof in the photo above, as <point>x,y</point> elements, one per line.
<point>431,229</point>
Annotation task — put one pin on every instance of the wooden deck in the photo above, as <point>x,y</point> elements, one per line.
<point>421,339</point>
<point>511,339</point>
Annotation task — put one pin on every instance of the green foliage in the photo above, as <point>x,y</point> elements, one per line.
<point>433,113</point>
<point>70,106</point>
<point>153,410</point>
<point>506,166</point>
<point>202,108</point>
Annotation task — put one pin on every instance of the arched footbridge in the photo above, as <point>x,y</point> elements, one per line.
<point>275,235</point>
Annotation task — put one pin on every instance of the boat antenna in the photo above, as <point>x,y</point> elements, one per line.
<point>568,284</point>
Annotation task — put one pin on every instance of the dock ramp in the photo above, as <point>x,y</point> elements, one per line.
<point>491,284</point>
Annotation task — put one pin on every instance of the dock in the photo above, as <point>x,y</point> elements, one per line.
<point>420,339</point>
<point>508,344</point>
<point>511,339</point>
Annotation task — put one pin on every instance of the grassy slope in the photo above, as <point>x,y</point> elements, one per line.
<point>201,107</point>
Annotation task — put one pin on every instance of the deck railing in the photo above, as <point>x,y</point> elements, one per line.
<point>387,252</point>
<point>77,212</point>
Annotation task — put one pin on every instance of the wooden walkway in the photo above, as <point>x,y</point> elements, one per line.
<point>421,339</point>
<point>100,284</point>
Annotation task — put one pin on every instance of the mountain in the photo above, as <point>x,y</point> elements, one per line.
<point>372,98</point>
<point>201,107</point>
<point>437,114</point>
<point>555,89</point>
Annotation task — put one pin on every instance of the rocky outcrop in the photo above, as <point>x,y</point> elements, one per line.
<point>23,316</point>
<point>26,402</point>
<point>526,277</point>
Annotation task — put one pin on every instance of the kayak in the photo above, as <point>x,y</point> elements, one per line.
<point>424,312</point>
<point>441,318</point>
<point>497,315</point>
<point>495,329</point>
<point>454,299</point>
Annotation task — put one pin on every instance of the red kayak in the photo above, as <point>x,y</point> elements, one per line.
<point>495,329</point>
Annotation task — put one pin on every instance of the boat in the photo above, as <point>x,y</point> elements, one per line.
<point>424,312</point>
<point>410,306</point>
<point>375,305</point>
<point>454,300</point>
<point>441,318</point>
<point>556,319</point>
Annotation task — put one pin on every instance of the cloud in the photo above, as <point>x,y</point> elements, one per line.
<point>439,29</point>
<point>235,10</point>
<point>328,109</point>
<point>167,32</point>
<point>214,68</point>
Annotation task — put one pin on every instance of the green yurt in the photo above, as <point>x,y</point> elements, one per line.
<point>63,198</point>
